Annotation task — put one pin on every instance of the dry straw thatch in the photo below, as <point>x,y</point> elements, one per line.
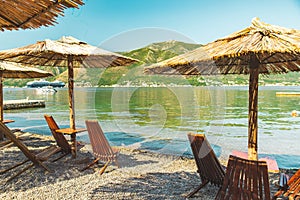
<point>260,48</point>
<point>276,48</point>
<point>15,70</point>
<point>66,52</point>
<point>56,53</point>
<point>28,14</point>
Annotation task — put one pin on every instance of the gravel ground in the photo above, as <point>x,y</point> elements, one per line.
<point>142,175</point>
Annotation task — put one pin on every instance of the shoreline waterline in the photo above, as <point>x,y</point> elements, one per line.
<point>159,118</point>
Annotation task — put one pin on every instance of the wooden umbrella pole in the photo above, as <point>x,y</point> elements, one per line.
<point>1,104</point>
<point>1,97</point>
<point>253,99</point>
<point>71,92</point>
<point>71,104</point>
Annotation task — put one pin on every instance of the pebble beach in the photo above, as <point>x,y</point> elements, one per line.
<point>141,175</point>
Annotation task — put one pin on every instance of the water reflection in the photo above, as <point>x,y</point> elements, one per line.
<point>159,118</point>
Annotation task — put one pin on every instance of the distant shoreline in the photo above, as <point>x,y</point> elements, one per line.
<point>160,86</point>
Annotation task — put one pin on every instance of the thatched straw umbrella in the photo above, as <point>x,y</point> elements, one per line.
<point>15,70</point>
<point>260,48</point>
<point>66,52</point>
<point>28,14</point>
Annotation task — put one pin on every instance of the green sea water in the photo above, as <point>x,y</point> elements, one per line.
<point>158,119</point>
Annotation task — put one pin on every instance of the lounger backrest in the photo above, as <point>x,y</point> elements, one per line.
<point>245,179</point>
<point>59,137</point>
<point>293,188</point>
<point>5,130</point>
<point>209,167</point>
<point>100,145</point>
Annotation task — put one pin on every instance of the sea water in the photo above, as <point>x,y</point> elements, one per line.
<point>159,118</point>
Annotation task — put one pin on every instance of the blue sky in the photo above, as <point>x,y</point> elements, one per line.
<point>128,24</point>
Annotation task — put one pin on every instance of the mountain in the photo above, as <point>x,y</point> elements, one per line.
<point>153,53</point>
<point>132,74</point>
<point>157,52</point>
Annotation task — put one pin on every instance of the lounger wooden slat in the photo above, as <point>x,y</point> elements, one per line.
<point>292,191</point>
<point>208,165</point>
<point>59,137</point>
<point>46,153</point>
<point>35,159</point>
<point>245,180</point>
<point>8,143</point>
<point>101,148</point>
<point>20,145</point>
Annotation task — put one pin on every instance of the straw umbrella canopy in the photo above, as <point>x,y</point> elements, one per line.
<point>66,52</point>
<point>28,14</point>
<point>15,70</point>
<point>260,48</point>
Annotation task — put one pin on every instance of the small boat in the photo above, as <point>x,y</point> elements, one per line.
<point>42,83</point>
<point>37,84</point>
<point>57,84</point>
<point>46,90</point>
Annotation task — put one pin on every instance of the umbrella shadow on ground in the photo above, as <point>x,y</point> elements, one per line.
<point>154,186</point>
<point>35,142</point>
<point>162,186</point>
<point>125,160</point>
<point>65,168</point>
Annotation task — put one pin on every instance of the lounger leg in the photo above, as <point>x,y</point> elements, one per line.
<point>44,166</point>
<point>197,189</point>
<point>89,165</point>
<point>104,168</point>
<point>73,145</point>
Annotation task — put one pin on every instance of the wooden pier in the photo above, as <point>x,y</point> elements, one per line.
<point>23,103</point>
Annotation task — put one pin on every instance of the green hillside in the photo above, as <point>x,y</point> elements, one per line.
<point>158,52</point>
<point>133,75</point>
<point>153,53</point>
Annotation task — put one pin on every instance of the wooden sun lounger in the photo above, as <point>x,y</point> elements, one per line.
<point>292,191</point>
<point>59,137</point>
<point>245,180</point>
<point>209,167</point>
<point>101,147</point>
<point>35,159</point>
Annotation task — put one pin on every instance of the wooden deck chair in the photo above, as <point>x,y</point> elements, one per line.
<point>101,148</point>
<point>209,167</point>
<point>59,137</point>
<point>35,159</point>
<point>292,191</point>
<point>245,180</point>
